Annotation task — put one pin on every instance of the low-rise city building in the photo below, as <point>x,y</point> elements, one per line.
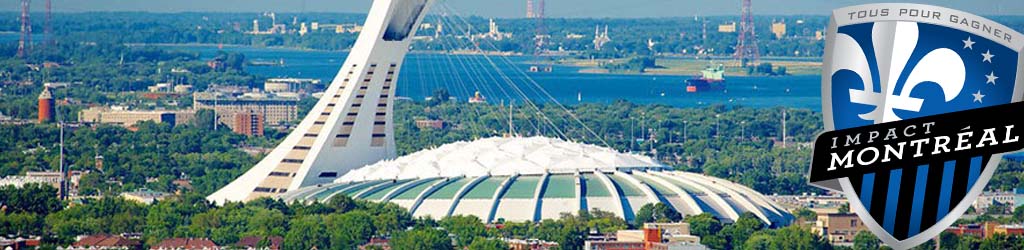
<point>1009,229</point>
<point>338,28</point>
<point>186,244</point>
<point>977,230</point>
<point>104,242</point>
<point>51,178</point>
<point>779,29</point>
<point>653,236</point>
<point>376,243</point>
<point>987,229</point>
<point>727,27</point>
<point>990,199</point>
<point>19,243</point>
<point>127,118</point>
<point>820,204</point>
<point>274,109</point>
<point>170,88</point>
<point>161,87</point>
<point>145,196</point>
<point>292,85</point>
<point>431,124</point>
<point>530,244</point>
<point>674,232</point>
<point>838,228</point>
<point>254,243</point>
<point>182,88</point>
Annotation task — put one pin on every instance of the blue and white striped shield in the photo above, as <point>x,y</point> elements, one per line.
<point>888,63</point>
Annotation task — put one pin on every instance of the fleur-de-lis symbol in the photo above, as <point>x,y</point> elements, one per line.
<point>894,43</point>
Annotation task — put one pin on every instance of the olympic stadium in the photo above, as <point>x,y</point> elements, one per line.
<point>536,178</point>
<point>346,146</point>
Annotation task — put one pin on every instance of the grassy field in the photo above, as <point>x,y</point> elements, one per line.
<point>678,66</point>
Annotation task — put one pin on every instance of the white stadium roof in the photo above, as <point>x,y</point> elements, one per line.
<point>536,178</point>
<point>499,156</point>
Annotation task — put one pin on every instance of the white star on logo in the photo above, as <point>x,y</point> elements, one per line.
<point>978,96</point>
<point>991,78</point>
<point>988,56</point>
<point>968,44</point>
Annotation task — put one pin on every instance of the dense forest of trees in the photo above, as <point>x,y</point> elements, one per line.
<point>106,74</point>
<point>155,152</point>
<point>340,223</point>
<point>344,223</point>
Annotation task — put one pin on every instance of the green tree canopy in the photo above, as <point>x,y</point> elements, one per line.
<point>305,233</point>
<point>656,212</point>
<point>464,228</point>
<point>703,224</point>
<point>422,239</point>
<point>31,198</point>
<point>349,230</point>
<point>481,243</point>
<point>865,240</point>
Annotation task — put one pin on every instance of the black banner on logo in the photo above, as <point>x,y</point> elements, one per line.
<point>915,142</point>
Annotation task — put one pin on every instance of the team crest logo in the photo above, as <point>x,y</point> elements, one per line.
<point>920,102</point>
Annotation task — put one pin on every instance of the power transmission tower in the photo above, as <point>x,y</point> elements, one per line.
<point>48,28</point>
<point>747,51</point>
<point>25,42</point>
<point>529,8</point>
<point>540,36</point>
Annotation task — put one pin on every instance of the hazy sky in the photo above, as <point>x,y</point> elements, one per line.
<point>516,8</point>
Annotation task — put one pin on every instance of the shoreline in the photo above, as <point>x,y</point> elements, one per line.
<point>453,52</point>
<point>668,65</point>
<point>678,66</point>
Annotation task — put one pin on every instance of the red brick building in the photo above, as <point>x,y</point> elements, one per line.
<point>254,242</point>
<point>19,243</point>
<point>250,124</point>
<point>376,243</point>
<point>987,229</point>
<point>186,244</point>
<point>106,242</point>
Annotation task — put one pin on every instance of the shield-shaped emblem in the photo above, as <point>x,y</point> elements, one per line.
<point>891,62</point>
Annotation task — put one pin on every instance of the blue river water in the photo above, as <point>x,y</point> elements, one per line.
<point>462,75</point>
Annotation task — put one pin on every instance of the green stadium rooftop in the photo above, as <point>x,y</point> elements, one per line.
<point>536,178</point>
